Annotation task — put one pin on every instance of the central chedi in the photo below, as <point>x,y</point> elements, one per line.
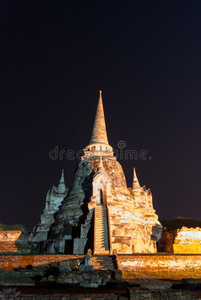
<point>100,212</point>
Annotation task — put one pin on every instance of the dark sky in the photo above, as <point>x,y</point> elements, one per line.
<point>54,58</point>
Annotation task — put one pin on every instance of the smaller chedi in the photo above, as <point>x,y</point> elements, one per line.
<point>54,199</point>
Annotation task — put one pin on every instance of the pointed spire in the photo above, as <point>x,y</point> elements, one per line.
<point>47,199</point>
<point>62,176</point>
<point>136,184</point>
<point>99,134</point>
<point>62,187</point>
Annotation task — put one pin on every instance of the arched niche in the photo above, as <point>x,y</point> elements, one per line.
<point>101,194</point>
<point>101,189</point>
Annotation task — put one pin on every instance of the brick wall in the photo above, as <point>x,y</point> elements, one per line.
<point>10,262</point>
<point>134,262</point>
<point>159,261</point>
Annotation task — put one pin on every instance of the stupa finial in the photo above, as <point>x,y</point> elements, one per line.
<point>99,134</point>
<point>136,184</point>
<point>62,186</point>
<point>62,176</point>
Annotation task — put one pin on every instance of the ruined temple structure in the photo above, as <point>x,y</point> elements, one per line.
<point>54,198</point>
<point>188,240</point>
<point>181,241</point>
<point>99,212</point>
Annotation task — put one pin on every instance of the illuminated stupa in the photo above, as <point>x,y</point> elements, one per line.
<point>100,212</point>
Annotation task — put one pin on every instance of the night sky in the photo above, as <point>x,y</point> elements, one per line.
<point>54,58</point>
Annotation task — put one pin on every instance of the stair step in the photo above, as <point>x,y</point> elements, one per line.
<point>100,249</point>
<point>103,261</point>
<point>101,231</point>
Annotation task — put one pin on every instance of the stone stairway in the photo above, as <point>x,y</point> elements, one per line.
<point>101,236</point>
<point>103,262</point>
